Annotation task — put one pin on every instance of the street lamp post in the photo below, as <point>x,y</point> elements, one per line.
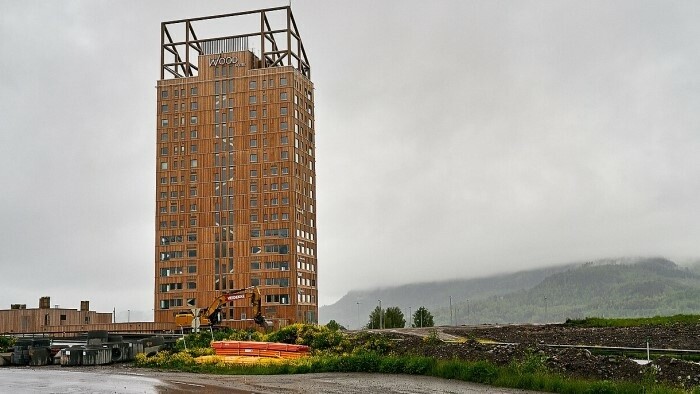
<point>380,314</point>
<point>359,325</point>
<point>545,309</point>
<point>410,317</point>
<point>450,310</point>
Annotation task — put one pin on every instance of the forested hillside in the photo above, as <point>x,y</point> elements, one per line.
<point>621,288</point>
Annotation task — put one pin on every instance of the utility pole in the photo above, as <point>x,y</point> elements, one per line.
<point>410,317</point>
<point>545,309</point>
<point>380,314</point>
<point>359,325</point>
<point>450,310</point>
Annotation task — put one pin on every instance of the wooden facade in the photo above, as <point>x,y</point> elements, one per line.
<point>37,320</point>
<point>235,179</point>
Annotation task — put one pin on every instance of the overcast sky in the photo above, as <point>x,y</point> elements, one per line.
<point>454,139</point>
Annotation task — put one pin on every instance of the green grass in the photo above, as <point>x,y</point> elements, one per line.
<point>634,322</point>
<point>528,374</point>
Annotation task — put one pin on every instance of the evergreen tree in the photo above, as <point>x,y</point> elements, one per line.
<point>422,318</point>
<point>393,318</point>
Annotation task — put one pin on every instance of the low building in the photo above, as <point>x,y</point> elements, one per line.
<point>22,320</point>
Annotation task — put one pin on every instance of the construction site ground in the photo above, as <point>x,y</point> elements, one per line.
<point>508,343</point>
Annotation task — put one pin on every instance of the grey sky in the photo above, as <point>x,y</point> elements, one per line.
<point>454,139</point>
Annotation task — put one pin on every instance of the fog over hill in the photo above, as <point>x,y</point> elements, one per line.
<point>630,286</point>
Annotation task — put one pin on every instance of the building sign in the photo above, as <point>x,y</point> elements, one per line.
<point>221,60</point>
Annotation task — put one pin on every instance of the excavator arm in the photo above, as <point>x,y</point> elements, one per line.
<point>213,312</point>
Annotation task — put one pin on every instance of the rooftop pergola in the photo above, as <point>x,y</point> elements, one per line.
<point>279,45</point>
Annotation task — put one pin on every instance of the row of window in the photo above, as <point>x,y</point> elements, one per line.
<point>178,150</point>
<point>273,201</point>
<point>171,239</point>
<point>177,254</point>
<point>179,106</point>
<point>281,249</point>
<point>165,122</point>
<point>174,223</point>
<point>164,137</point>
<point>170,271</point>
<point>167,287</point>
<point>253,113</point>
<point>271,218</point>
<point>277,232</point>
<point>253,84</point>
<point>270,265</point>
<point>164,164</point>
<point>174,180</point>
<point>164,93</point>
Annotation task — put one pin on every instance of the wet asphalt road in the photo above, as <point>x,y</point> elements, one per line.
<point>106,380</point>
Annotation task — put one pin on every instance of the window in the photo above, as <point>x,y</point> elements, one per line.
<point>254,265</point>
<point>164,137</point>
<point>164,108</point>
<point>285,170</point>
<point>193,120</point>
<point>283,111</point>
<point>255,233</point>
<point>192,253</point>
<point>193,91</point>
<point>164,123</point>
<point>285,155</point>
<point>253,128</point>
<point>192,269</point>
<point>193,192</point>
<point>285,216</point>
<point>193,163</point>
<point>253,114</point>
<point>283,96</point>
<point>253,173</point>
<point>193,177</point>
<point>193,134</point>
<point>252,84</point>
<point>163,165</point>
<point>252,99</point>
<point>284,126</point>
<point>274,186</point>
<point>193,106</point>
<point>193,148</point>
<point>253,158</point>
<point>253,143</point>
<point>193,207</point>
<point>253,202</point>
<point>284,140</point>
<point>283,81</point>
<point>255,250</point>
<point>254,218</point>
<point>285,186</point>
<point>192,237</point>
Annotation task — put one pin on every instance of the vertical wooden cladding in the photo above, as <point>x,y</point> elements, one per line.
<point>269,133</point>
<point>39,320</point>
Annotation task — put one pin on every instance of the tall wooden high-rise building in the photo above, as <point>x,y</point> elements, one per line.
<point>235,168</point>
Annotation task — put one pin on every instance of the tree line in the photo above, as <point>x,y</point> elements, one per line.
<point>393,317</point>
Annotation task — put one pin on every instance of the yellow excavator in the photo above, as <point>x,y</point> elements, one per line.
<point>211,316</point>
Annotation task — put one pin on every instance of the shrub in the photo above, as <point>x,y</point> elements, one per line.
<point>6,343</point>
